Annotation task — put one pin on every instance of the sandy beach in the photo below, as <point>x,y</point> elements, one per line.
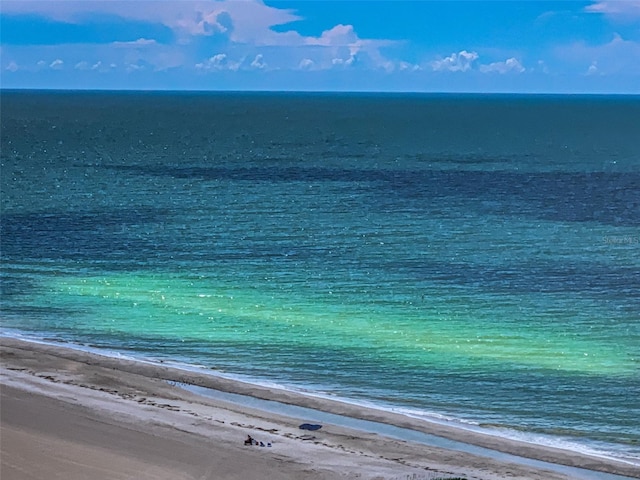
<point>71,414</point>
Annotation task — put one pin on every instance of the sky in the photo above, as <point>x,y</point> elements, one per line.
<point>509,46</point>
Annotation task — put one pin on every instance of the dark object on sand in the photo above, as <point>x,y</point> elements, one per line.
<point>310,426</point>
<point>249,440</point>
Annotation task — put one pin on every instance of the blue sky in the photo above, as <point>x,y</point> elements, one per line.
<point>364,45</point>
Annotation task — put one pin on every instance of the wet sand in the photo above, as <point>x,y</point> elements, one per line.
<point>71,414</point>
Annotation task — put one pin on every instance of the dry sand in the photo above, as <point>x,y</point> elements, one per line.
<point>70,414</point>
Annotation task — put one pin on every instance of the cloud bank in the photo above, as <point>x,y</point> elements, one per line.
<point>211,39</point>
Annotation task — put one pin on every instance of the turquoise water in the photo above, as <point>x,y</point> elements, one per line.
<point>471,258</point>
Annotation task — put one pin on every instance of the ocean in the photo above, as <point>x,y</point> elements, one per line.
<point>472,259</point>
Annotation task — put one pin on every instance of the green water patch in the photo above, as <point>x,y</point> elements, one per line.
<point>452,331</point>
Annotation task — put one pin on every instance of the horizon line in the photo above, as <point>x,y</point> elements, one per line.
<point>317,92</point>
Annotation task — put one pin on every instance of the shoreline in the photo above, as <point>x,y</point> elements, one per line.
<point>26,362</point>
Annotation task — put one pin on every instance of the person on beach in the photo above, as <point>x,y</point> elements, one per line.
<point>249,440</point>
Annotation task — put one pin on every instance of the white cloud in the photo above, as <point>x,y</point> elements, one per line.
<point>618,56</point>
<point>13,66</point>
<point>343,47</point>
<point>247,26</point>
<point>134,67</point>
<point>258,62</point>
<point>593,68</point>
<point>617,8</point>
<point>306,64</point>
<point>98,66</point>
<point>253,23</point>
<point>337,47</point>
<point>465,61</point>
<point>141,42</point>
<point>456,62</point>
<point>209,63</point>
<point>57,64</point>
<point>511,65</point>
<point>408,67</point>
<point>345,61</point>
<point>219,62</point>
<point>206,22</point>
<point>340,35</point>
<point>247,21</point>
